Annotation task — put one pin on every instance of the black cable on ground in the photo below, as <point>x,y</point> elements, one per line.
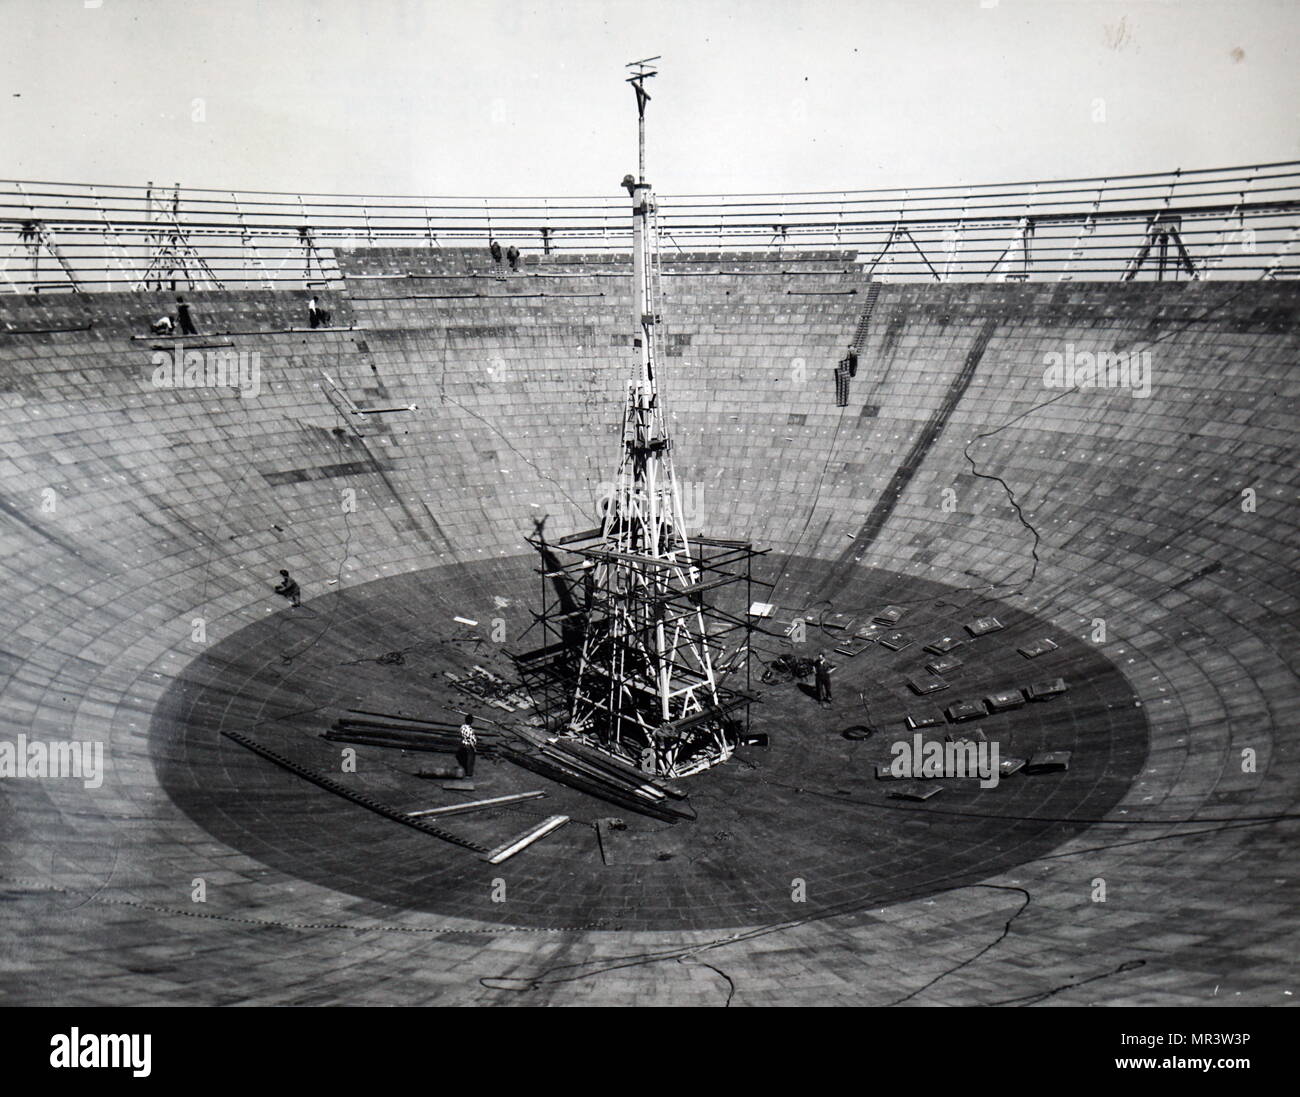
<point>731,985</point>
<point>1042,996</point>
<point>1011,495</point>
<point>1006,929</point>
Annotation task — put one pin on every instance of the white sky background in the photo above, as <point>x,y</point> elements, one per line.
<point>449,97</point>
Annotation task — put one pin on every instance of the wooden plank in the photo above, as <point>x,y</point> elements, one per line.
<point>476,805</point>
<point>585,535</point>
<point>524,840</point>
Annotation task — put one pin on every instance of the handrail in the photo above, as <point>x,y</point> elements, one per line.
<point>1202,223</point>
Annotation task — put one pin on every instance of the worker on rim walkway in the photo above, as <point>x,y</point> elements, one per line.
<point>184,318</point>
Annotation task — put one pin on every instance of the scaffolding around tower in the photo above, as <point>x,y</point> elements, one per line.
<point>648,662</point>
<point>643,624</point>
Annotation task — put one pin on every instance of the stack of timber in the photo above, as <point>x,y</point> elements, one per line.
<point>598,774</point>
<point>380,729</point>
<point>565,761</point>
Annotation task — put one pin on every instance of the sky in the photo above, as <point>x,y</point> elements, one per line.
<point>511,97</point>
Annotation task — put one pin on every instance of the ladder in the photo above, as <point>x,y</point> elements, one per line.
<point>34,235</point>
<point>864,322</point>
<point>174,259</point>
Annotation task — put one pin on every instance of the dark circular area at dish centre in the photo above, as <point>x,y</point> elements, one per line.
<point>809,808</point>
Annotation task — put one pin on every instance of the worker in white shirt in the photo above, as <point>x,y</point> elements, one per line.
<point>468,746</point>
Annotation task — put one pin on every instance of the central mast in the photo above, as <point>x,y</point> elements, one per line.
<point>645,428</point>
<point>630,668</point>
<point>646,685</point>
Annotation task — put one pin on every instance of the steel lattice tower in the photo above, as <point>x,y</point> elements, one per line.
<point>636,672</point>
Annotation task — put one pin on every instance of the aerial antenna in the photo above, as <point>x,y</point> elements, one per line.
<point>642,71</point>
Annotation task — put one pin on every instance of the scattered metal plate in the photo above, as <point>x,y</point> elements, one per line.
<point>1004,699</point>
<point>945,664</point>
<point>965,710</point>
<point>944,644</point>
<point>1043,691</point>
<point>895,641</point>
<point>1035,648</point>
<point>1049,761</point>
<point>982,626</point>
<point>922,686</point>
<point>917,722</point>
<point>890,615</point>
